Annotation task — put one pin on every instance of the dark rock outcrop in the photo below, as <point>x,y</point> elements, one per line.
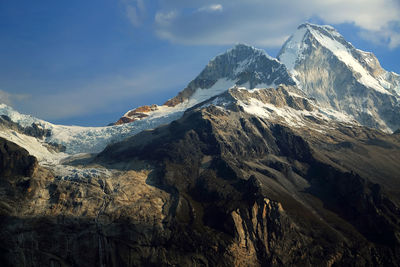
<point>15,161</point>
<point>136,114</point>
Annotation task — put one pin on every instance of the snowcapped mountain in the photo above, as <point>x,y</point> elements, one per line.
<point>242,65</point>
<point>347,83</point>
<point>338,75</point>
<point>316,58</point>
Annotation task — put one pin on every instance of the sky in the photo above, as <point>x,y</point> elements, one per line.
<point>88,62</point>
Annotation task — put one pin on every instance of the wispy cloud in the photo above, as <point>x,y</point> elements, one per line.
<point>135,11</point>
<point>165,17</point>
<point>211,8</point>
<point>10,98</point>
<point>386,36</point>
<point>256,21</point>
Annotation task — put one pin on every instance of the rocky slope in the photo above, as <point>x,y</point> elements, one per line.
<point>285,196</point>
<point>342,77</point>
<point>15,161</point>
<point>219,187</point>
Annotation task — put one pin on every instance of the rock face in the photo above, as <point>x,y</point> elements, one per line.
<point>15,161</point>
<point>136,114</point>
<point>342,77</point>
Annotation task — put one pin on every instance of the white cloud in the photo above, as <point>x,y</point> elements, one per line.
<point>257,21</point>
<point>10,98</point>
<point>164,18</point>
<point>388,36</point>
<point>211,8</point>
<point>133,16</point>
<point>394,40</point>
<point>5,98</point>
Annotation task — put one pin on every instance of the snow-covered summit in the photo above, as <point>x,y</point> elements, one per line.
<point>344,78</point>
<point>365,65</point>
<point>242,51</point>
<point>242,65</point>
<point>295,48</point>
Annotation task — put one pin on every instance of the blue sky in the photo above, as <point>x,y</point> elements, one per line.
<point>88,62</point>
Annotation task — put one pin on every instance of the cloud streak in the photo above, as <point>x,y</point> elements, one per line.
<point>388,35</point>
<point>268,23</point>
<point>10,98</point>
<point>211,8</point>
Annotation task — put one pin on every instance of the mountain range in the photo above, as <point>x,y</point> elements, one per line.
<point>259,161</point>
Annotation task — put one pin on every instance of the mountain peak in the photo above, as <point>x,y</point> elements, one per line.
<point>244,46</point>
<point>310,39</point>
<point>242,65</point>
<point>323,28</point>
<point>339,76</point>
<point>249,50</point>
<point>309,35</point>
<point>305,36</point>
<point>239,53</point>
